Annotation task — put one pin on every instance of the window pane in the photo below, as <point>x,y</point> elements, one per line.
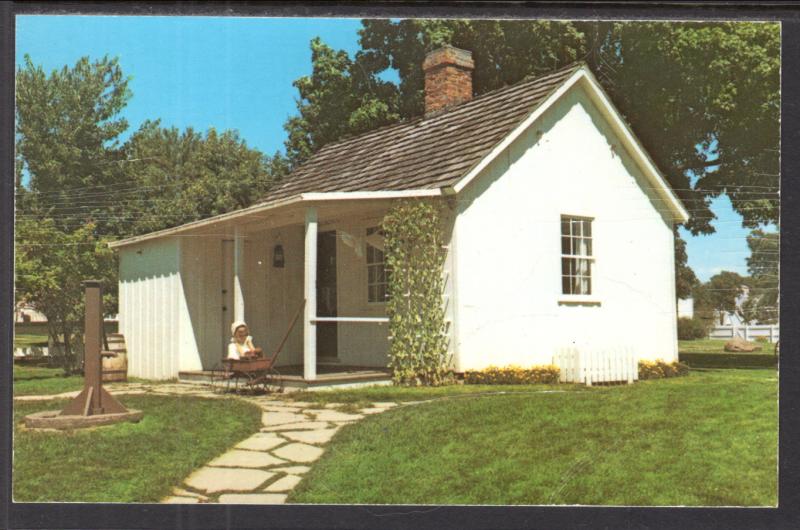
<point>587,228</point>
<point>565,245</point>
<point>565,266</point>
<point>583,267</point>
<point>588,286</point>
<point>564,227</point>
<point>576,285</point>
<point>565,285</point>
<point>372,295</point>
<point>576,227</point>
<point>371,274</point>
<point>370,254</point>
<point>588,247</point>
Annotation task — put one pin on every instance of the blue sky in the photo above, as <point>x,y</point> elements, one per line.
<point>237,73</point>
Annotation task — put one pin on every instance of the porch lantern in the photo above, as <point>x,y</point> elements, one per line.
<point>277,256</point>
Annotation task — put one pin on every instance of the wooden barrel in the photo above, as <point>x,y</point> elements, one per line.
<point>116,368</point>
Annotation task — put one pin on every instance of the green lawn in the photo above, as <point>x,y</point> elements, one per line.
<point>21,341</point>
<point>29,380</point>
<point>706,439</point>
<point>127,462</point>
<point>717,346</point>
<point>366,395</point>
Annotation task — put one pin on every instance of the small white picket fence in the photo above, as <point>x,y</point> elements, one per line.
<point>597,366</point>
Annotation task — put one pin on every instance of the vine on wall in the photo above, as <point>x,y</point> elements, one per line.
<point>414,256</point>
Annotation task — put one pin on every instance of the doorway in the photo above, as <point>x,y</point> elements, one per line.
<point>327,332</point>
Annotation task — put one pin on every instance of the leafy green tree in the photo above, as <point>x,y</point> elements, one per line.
<point>763,266</point>
<point>182,176</point>
<point>719,294</point>
<point>67,126</point>
<point>680,85</point>
<point>341,96</point>
<point>50,267</point>
<point>703,97</point>
<point>685,278</point>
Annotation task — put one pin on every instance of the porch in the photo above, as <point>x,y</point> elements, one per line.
<point>328,376</point>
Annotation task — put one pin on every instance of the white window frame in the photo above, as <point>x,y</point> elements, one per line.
<point>588,257</point>
<point>377,265</point>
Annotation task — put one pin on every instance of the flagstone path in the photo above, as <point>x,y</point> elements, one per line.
<point>265,467</point>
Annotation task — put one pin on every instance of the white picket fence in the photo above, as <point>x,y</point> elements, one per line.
<point>771,333</point>
<point>597,366</point>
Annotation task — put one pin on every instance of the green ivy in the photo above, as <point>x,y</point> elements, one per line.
<point>414,254</point>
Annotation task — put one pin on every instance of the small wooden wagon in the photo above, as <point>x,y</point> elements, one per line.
<point>252,375</point>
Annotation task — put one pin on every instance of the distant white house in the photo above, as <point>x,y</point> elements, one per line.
<point>686,307</point>
<point>24,312</point>
<point>559,236</point>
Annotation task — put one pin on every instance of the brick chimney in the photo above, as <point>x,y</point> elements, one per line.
<point>448,77</point>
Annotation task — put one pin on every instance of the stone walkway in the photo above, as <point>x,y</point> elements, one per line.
<point>265,467</point>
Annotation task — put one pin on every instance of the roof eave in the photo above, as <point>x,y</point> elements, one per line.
<point>310,198</point>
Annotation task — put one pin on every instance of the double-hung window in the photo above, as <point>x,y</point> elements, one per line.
<point>377,275</point>
<point>576,255</point>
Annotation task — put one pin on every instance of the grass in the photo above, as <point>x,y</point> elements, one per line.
<point>25,340</point>
<point>717,346</point>
<point>706,439</point>
<point>364,396</point>
<point>127,462</point>
<point>30,380</point>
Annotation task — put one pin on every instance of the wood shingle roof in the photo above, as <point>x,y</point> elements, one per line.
<point>424,153</point>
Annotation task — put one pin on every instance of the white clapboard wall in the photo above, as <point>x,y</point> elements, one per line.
<point>589,366</point>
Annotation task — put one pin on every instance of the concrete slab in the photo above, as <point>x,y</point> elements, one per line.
<point>292,470</point>
<point>320,436</point>
<point>298,452</point>
<point>300,425</point>
<point>180,500</point>
<point>252,498</point>
<point>286,483</point>
<point>334,415</point>
<point>261,442</point>
<point>249,459</point>
<point>279,418</point>
<point>216,479</point>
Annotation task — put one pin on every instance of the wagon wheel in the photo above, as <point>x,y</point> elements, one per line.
<point>221,379</point>
<point>271,381</point>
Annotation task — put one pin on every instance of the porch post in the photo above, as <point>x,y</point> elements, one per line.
<point>238,275</point>
<point>310,293</point>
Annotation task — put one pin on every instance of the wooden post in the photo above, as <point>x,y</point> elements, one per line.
<point>310,293</point>
<point>93,399</point>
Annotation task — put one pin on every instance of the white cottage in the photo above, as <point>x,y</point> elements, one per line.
<point>560,232</point>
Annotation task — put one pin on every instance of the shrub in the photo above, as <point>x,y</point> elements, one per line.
<point>659,369</point>
<point>692,328</point>
<point>513,375</point>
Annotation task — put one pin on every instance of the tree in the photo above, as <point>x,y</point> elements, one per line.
<point>178,177</point>
<point>703,97</point>
<point>763,266</point>
<point>719,294</point>
<point>685,278</point>
<point>341,96</point>
<point>50,267</point>
<point>712,85</point>
<point>67,127</point>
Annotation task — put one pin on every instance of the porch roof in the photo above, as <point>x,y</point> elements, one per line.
<point>278,207</point>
